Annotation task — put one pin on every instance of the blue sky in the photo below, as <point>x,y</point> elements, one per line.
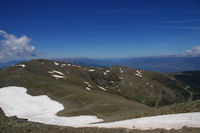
<point>102,28</point>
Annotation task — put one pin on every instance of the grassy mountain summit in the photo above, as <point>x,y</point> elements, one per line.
<point>104,92</point>
<point>112,93</point>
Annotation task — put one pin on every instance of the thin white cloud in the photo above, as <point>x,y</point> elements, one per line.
<point>13,46</point>
<point>194,51</point>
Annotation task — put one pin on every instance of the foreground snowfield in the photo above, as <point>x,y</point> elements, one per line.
<point>16,102</point>
<point>174,121</point>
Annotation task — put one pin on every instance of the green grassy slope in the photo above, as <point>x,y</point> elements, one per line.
<point>70,92</point>
<point>126,93</point>
<point>192,79</point>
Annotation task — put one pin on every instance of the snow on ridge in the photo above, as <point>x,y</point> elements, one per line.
<point>86,83</point>
<point>138,73</point>
<point>73,65</point>
<point>107,71</point>
<point>102,88</point>
<point>121,71</point>
<point>54,71</point>
<point>38,108</point>
<point>57,76</point>
<point>63,65</point>
<point>15,101</point>
<point>56,63</point>
<point>88,86</point>
<point>91,70</point>
<point>21,65</point>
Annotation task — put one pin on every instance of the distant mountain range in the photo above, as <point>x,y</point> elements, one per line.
<point>10,63</point>
<point>157,63</point>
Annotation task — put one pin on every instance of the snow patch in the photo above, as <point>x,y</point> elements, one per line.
<point>56,63</point>
<point>21,65</point>
<point>121,71</point>
<point>88,88</point>
<point>138,73</point>
<point>16,102</point>
<point>86,83</point>
<point>107,71</point>
<point>102,88</point>
<point>172,121</point>
<point>54,71</point>
<point>57,76</point>
<point>63,65</point>
<point>91,70</point>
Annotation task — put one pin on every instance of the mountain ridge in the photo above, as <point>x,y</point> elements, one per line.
<point>110,78</point>
<point>112,93</point>
<point>165,63</point>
